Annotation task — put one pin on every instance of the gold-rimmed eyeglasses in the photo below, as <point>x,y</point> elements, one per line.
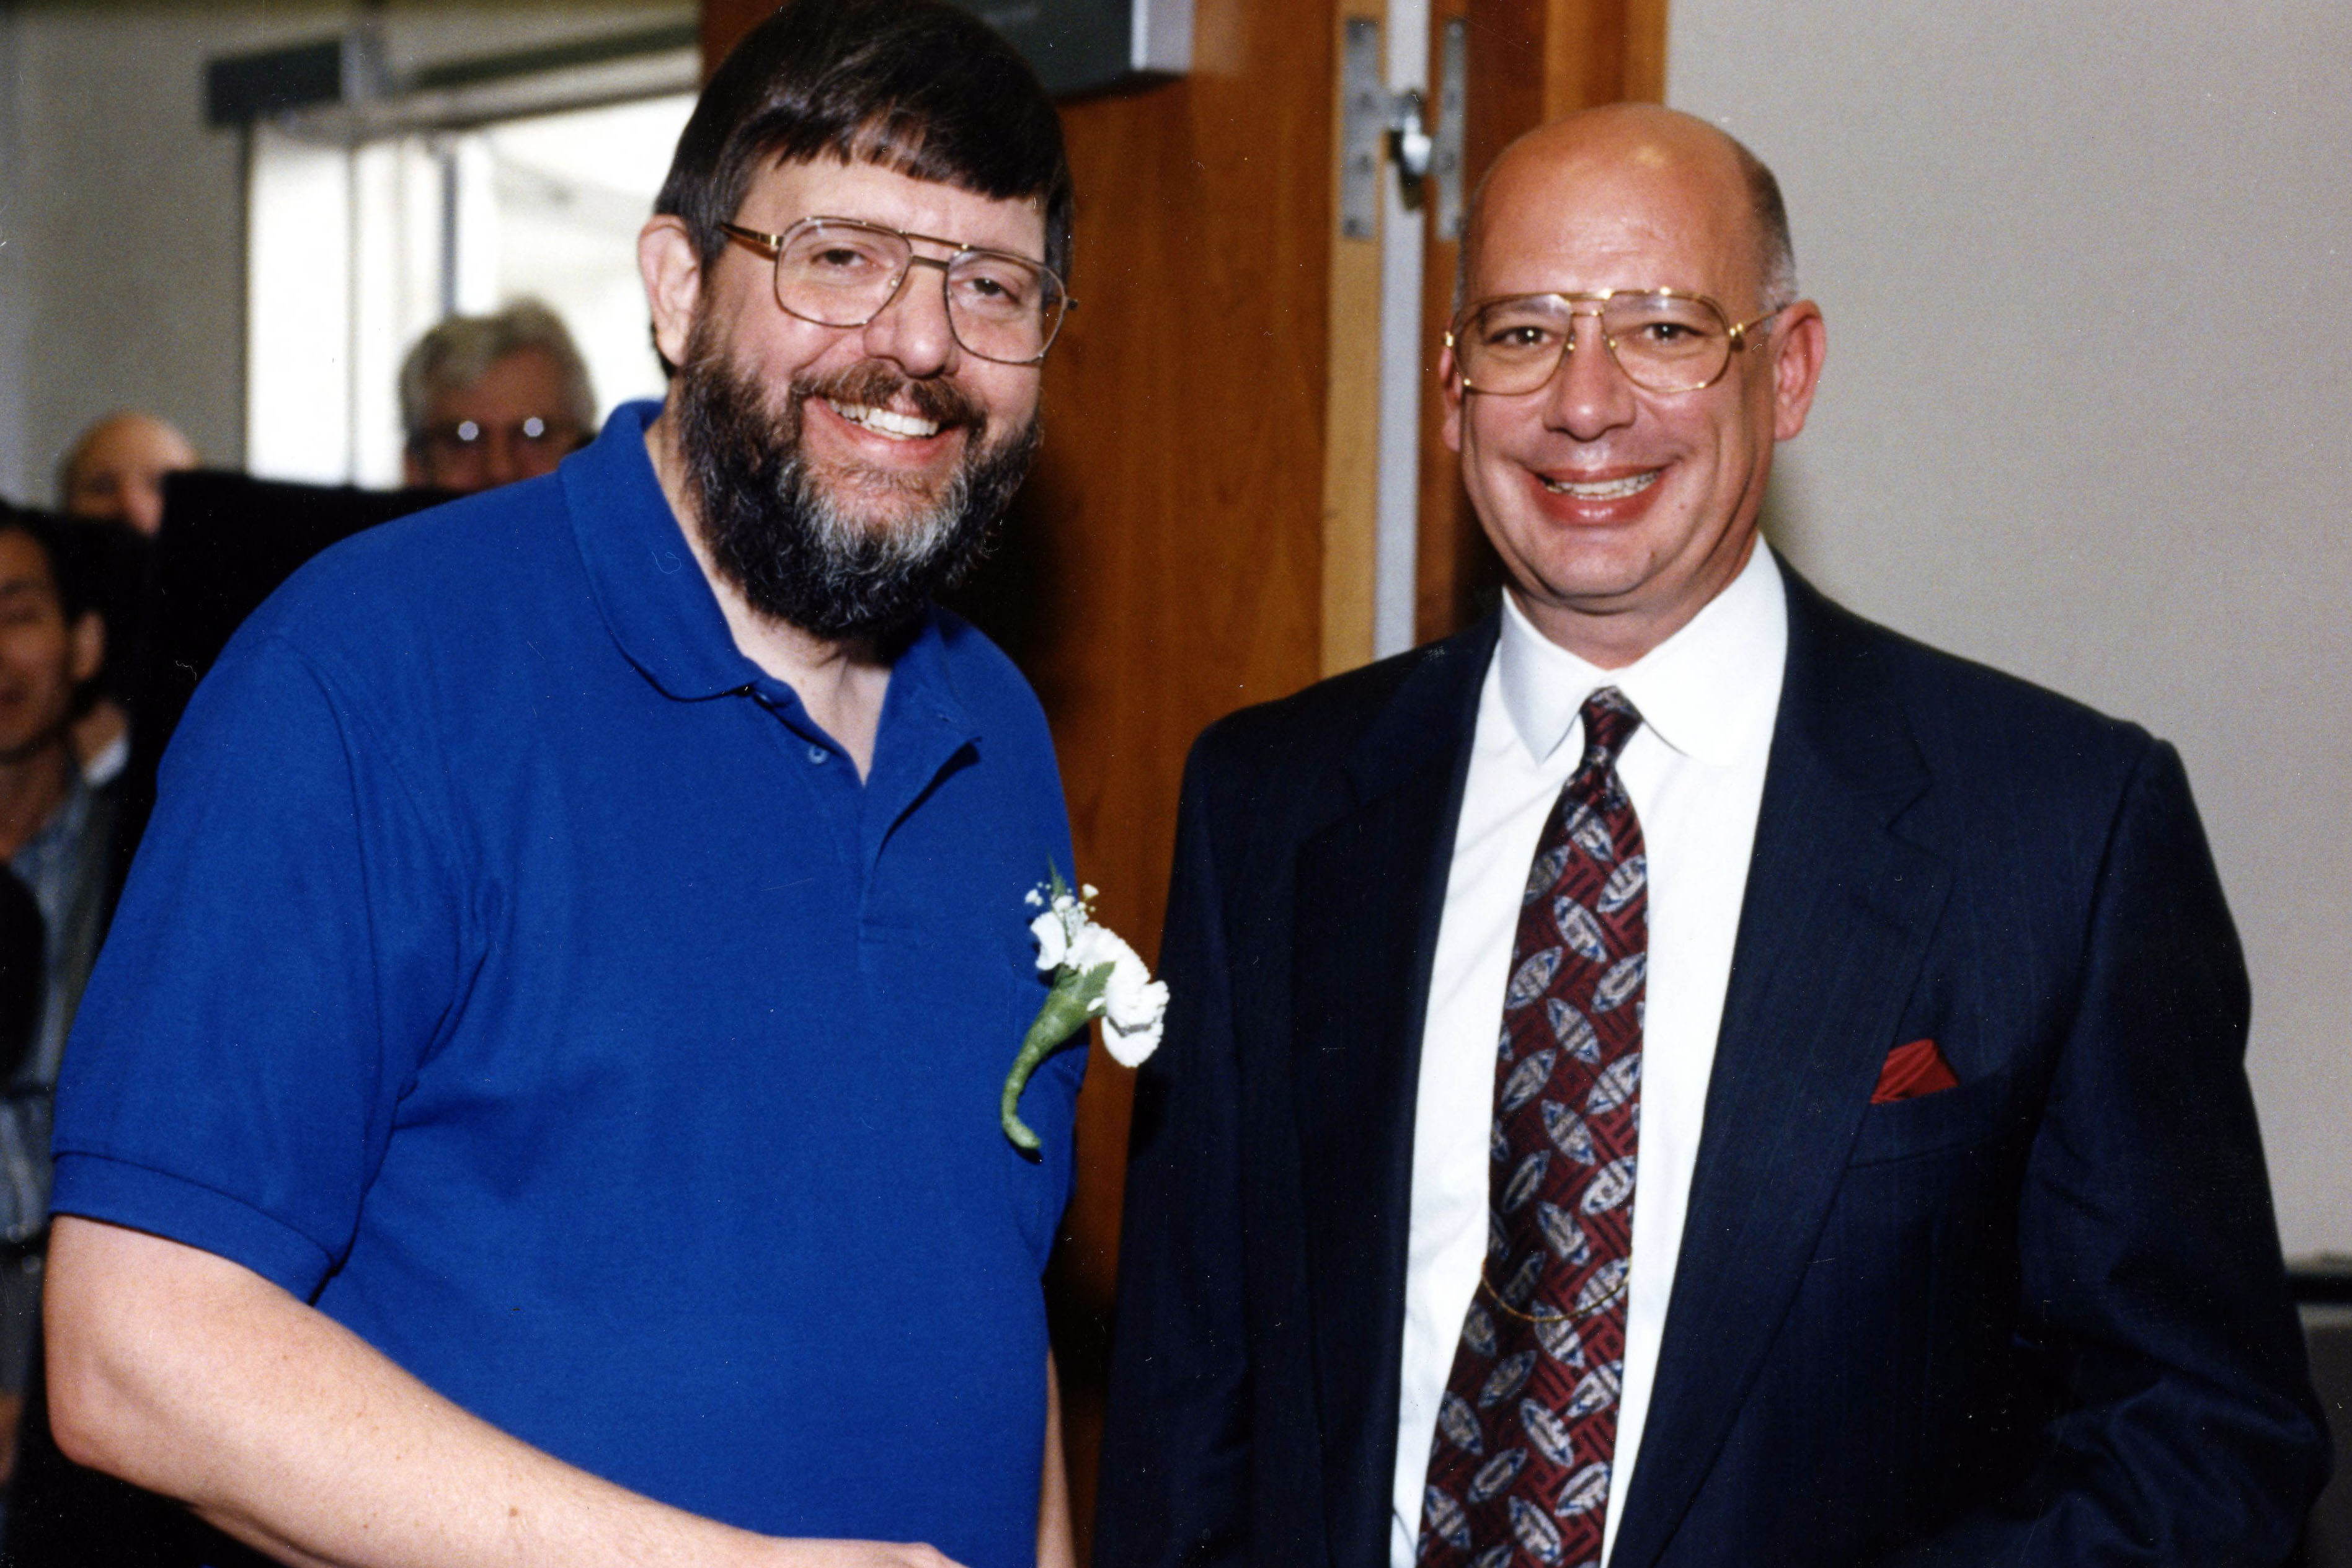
<point>842,272</point>
<point>1663,339</point>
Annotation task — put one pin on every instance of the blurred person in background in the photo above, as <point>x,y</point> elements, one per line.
<point>22,943</point>
<point>115,469</point>
<point>55,831</point>
<point>489,400</point>
<point>113,476</point>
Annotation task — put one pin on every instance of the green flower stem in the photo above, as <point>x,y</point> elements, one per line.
<point>1077,997</point>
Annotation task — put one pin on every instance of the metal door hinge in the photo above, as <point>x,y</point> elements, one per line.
<point>1383,126</point>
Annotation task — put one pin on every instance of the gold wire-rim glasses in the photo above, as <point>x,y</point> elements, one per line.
<point>1734,334</point>
<point>773,246</point>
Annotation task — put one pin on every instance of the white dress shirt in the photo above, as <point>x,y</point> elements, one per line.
<point>1695,772</point>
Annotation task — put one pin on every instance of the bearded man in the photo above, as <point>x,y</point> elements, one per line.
<point>539,1101</point>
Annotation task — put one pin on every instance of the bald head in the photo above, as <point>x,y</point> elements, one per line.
<point>1620,477</point>
<point>115,470</point>
<point>1582,152</point>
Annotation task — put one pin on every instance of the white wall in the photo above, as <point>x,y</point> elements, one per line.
<point>122,213</point>
<point>123,228</point>
<point>2088,412</point>
<point>345,265</point>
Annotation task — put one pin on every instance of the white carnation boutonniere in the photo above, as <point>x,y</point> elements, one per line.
<point>1095,975</point>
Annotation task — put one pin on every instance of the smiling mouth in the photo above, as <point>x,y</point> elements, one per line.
<point>883,421</point>
<point>1604,489</point>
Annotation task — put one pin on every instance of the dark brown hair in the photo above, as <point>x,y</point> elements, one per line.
<point>916,86</point>
<point>70,546</point>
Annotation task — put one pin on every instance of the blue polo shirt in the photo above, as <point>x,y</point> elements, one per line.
<point>514,970</point>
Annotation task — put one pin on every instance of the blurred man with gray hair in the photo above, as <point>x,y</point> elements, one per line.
<point>489,400</point>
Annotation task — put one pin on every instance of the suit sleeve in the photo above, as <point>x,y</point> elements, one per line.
<point>2186,1430</point>
<point>1175,1452</point>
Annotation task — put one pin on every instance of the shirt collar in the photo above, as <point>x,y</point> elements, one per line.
<point>654,597</point>
<point>660,608</point>
<point>1709,692</point>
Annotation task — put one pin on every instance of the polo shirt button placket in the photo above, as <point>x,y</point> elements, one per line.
<point>818,753</point>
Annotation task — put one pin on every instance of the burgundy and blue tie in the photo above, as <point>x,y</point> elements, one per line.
<point>1519,1473</point>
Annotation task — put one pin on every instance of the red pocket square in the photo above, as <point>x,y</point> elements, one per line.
<point>1912,1071</point>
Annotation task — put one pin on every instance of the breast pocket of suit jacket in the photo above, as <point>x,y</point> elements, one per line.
<point>1973,1112</point>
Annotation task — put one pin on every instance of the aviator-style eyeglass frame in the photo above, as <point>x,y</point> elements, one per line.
<point>845,272</point>
<point>1663,339</point>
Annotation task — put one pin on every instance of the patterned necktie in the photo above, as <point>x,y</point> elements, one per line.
<point>1518,1472</point>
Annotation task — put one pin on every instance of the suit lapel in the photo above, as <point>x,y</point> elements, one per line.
<point>1370,891</point>
<point>1834,924</point>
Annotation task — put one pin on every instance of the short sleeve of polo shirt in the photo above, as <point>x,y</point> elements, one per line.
<point>284,953</point>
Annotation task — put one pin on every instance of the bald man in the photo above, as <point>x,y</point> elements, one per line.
<point>115,469</point>
<point>1678,1074</point>
<point>114,473</point>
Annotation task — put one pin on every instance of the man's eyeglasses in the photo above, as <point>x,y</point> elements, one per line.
<point>839,272</point>
<point>467,438</point>
<point>1665,340</point>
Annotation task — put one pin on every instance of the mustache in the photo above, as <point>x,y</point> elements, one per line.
<point>809,549</point>
<point>872,384</point>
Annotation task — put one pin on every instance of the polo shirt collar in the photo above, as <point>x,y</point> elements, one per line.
<point>647,585</point>
<point>1708,691</point>
<point>660,608</point>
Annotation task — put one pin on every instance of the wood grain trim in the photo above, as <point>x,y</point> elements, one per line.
<point>1644,74</point>
<point>1602,51</point>
<point>726,21</point>
<point>1455,571</point>
<point>1352,406</point>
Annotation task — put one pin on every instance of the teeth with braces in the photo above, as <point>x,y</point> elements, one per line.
<point>1606,490</point>
<point>883,421</point>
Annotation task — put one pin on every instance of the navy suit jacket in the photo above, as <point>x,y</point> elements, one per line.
<point>2036,1318</point>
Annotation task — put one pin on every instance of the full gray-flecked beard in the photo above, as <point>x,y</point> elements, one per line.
<point>797,547</point>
